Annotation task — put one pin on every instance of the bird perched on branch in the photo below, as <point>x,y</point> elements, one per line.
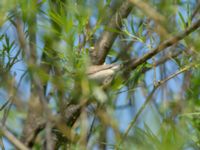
<point>103,74</point>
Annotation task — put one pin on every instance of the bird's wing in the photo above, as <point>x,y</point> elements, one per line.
<point>97,68</point>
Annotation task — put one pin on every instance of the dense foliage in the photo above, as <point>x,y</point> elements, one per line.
<point>57,90</point>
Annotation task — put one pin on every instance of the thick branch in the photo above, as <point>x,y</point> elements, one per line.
<point>103,45</point>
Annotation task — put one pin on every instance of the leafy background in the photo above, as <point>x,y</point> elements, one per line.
<point>46,45</point>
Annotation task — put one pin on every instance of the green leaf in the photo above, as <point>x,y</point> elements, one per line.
<point>182,19</point>
<point>148,65</point>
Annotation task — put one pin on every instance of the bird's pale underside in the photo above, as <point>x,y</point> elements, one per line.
<point>103,73</point>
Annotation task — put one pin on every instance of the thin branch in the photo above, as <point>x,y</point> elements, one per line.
<point>196,10</point>
<point>153,14</point>
<point>12,138</point>
<point>175,74</point>
<point>147,9</point>
<point>164,59</point>
<point>139,112</point>
<point>6,111</point>
<point>157,63</point>
<point>1,144</point>
<point>165,44</point>
<point>132,123</point>
<point>91,129</point>
<point>5,104</point>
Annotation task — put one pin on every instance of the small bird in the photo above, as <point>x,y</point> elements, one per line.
<point>103,73</point>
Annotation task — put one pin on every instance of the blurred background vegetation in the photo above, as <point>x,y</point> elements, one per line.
<point>47,100</point>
